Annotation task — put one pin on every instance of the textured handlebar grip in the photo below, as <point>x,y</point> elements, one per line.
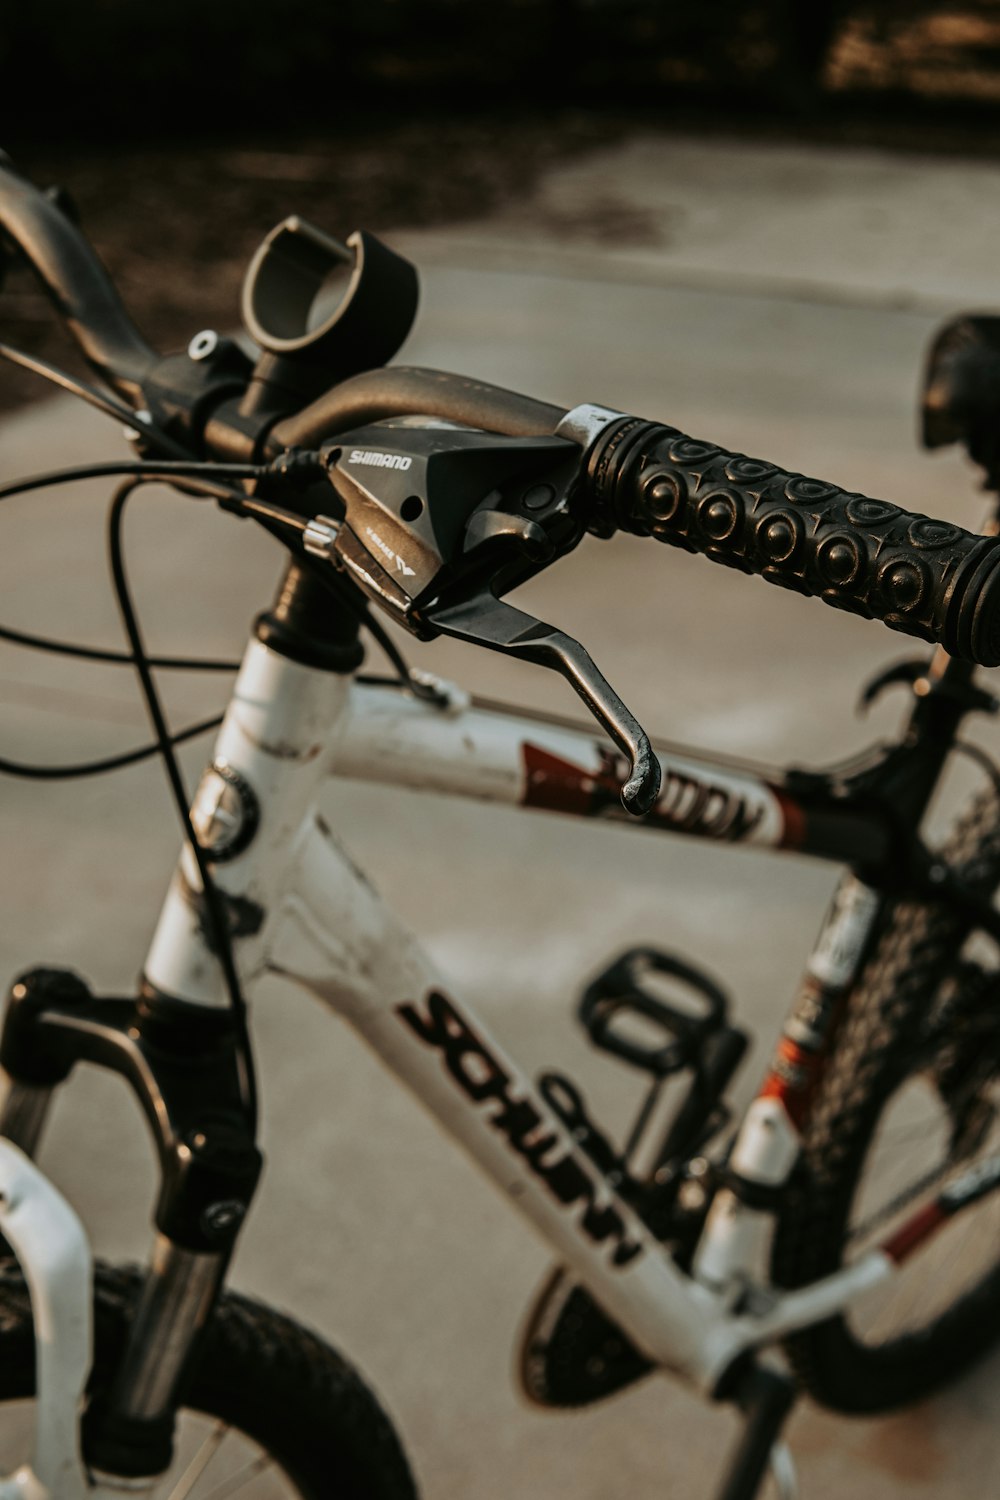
<point>928,578</point>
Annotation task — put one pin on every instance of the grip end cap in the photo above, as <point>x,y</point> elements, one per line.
<point>972,630</point>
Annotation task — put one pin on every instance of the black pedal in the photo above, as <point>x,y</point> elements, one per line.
<point>624,1014</point>
<point>630,1011</point>
<point>572,1353</point>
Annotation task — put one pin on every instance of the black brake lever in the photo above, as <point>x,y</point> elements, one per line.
<point>486,621</point>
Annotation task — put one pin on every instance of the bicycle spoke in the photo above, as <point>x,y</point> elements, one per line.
<point>196,1468</point>
<point>242,1477</point>
<point>902,1200</point>
<point>926,1122</point>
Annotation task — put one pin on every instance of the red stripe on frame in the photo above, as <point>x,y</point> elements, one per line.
<point>913,1233</point>
<point>792,1078</point>
<point>550,781</point>
<point>794,832</point>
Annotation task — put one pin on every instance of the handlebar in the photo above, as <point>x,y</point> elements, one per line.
<point>76,283</point>
<point>402,390</point>
<point>928,578</point>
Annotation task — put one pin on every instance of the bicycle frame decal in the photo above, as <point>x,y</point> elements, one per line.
<point>839,947</point>
<point>480,1075</point>
<point>691,800</point>
<point>800,1055</point>
<point>475,752</point>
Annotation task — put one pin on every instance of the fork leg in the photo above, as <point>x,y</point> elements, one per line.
<point>54,1254</point>
<point>130,1430</point>
<point>23,1113</point>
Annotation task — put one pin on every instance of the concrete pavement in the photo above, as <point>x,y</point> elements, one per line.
<point>775,299</point>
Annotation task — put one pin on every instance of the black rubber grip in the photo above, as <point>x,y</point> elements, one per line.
<point>928,578</point>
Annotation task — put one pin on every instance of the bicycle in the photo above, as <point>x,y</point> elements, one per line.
<point>431,496</point>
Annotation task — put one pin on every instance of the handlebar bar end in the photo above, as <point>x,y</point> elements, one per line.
<point>972,629</point>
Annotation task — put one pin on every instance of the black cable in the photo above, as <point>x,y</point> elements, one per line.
<point>265,510</point>
<point>215,910</point>
<point>191,474</point>
<point>190,471</point>
<point>348,596</point>
<point>117,658</point>
<point>407,676</point>
<point>110,763</point>
<point>110,406</point>
<point>363,614</point>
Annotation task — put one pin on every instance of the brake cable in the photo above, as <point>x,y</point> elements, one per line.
<point>408,678</point>
<point>191,471</point>
<point>118,410</point>
<point>113,658</point>
<point>109,405</point>
<point>29,772</point>
<point>273,518</point>
<point>150,470</point>
<point>215,908</point>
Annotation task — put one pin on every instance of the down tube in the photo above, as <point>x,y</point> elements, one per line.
<point>336,938</point>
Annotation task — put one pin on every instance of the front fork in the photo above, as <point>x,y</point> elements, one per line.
<point>52,1247</point>
<point>183,1062</point>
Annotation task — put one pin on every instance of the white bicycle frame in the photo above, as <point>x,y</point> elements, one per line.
<point>319,922</point>
<point>309,915</point>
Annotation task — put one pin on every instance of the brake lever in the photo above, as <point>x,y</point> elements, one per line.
<point>485,620</point>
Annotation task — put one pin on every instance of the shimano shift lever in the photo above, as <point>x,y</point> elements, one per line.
<point>439,521</point>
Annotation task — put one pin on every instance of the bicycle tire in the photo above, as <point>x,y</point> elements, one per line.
<point>259,1372</point>
<point>904,1028</point>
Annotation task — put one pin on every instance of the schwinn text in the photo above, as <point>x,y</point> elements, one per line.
<point>482,1078</point>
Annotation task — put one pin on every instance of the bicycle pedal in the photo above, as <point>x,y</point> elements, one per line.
<point>572,1353</point>
<point>625,1012</point>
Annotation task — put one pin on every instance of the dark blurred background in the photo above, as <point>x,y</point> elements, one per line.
<point>184,132</point>
<point>115,68</point>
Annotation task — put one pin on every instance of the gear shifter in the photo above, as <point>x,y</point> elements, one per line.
<point>441,520</point>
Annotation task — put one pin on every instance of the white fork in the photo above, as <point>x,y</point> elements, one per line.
<point>52,1248</point>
